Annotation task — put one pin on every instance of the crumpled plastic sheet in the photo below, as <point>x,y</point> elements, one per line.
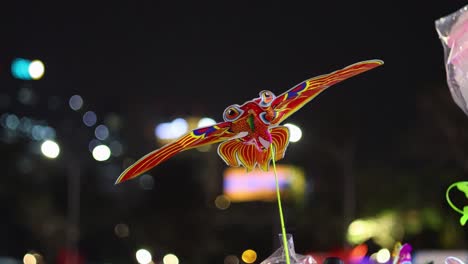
<point>453,33</point>
<point>453,260</point>
<point>279,257</point>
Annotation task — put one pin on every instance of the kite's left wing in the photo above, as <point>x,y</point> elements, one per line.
<point>196,138</point>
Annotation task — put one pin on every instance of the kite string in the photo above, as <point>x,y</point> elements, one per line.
<point>278,197</point>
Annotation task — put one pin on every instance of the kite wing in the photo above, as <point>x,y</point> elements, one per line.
<point>295,98</point>
<point>196,138</point>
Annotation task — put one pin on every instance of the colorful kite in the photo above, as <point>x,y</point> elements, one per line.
<point>250,132</point>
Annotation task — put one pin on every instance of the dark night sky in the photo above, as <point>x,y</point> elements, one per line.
<point>152,61</point>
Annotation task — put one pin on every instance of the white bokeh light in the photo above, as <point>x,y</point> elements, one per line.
<point>170,259</point>
<point>101,153</point>
<point>143,256</point>
<point>295,132</point>
<point>36,69</point>
<point>29,259</point>
<point>50,149</point>
<point>383,256</point>
<point>171,130</point>
<point>206,121</point>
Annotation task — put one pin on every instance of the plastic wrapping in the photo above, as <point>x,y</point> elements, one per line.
<point>453,260</point>
<point>453,32</point>
<point>278,257</point>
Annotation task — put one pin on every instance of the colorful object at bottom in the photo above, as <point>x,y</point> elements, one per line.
<point>250,130</point>
<point>279,256</point>
<point>402,253</point>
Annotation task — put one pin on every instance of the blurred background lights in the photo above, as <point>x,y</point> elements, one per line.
<point>122,230</point>
<point>383,256</point>
<point>20,69</point>
<point>222,202</point>
<point>295,132</point>
<point>143,256</point>
<point>93,143</point>
<point>36,69</point>
<point>171,130</point>
<point>29,259</point>
<point>12,122</point>
<point>26,96</point>
<point>24,69</point>
<point>39,132</point>
<point>231,259</point>
<point>25,125</point>
<point>50,149</point>
<point>75,102</point>
<point>101,153</point>
<point>146,182</point>
<point>249,256</point>
<point>101,132</point>
<point>32,258</point>
<point>360,230</point>
<point>116,148</point>
<point>358,253</point>
<point>170,259</point>
<point>206,121</point>
<point>89,118</point>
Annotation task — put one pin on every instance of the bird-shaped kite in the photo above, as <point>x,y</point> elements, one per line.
<point>251,133</point>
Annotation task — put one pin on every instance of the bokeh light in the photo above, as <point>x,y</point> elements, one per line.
<point>25,125</point>
<point>222,202</point>
<point>170,259</point>
<point>101,153</point>
<point>231,259</point>
<point>122,230</point>
<point>295,132</point>
<point>39,132</point>
<point>50,149</point>
<point>171,130</point>
<point>101,132</point>
<point>146,182</point>
<point>360,230</point>
<point>89,118</point>
<point>249,256</point>
<point>92,144</point>
<point>206,121</point>
<point>26,96</point>
<point>75,102</point>
<point>12,122</point>
<point>383,255</point>
<point>36,69</point>
<point>143,256</point>
<point>20,69</point>
<point>29,259</point>
<point>358,253</point>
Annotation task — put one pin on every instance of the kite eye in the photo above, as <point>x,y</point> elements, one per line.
<point>232,113</point>
<point>266,97</point>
